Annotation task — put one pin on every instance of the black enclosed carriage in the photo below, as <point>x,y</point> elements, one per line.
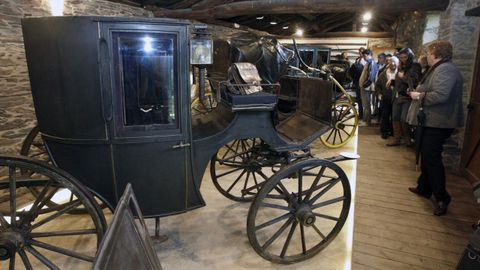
<point>113,106</point>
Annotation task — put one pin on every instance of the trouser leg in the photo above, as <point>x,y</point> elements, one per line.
<point>359,101</point>
<point>366,103</point>
<point>432,163</point>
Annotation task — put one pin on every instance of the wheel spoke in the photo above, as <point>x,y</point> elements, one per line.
<point>63,233</point>
<point>245,184</point>
<point>315,182</point>
<point>318,231</point>
<point>326,217</point>
<point>11,264</point>
<point>13,195</point>
<point>236,181</point>
<point>39,201</point>
<point>345,132</point>
<point>256,182</point>
<point>289,237</point>
<point>277,233</point>
<point>300,180</point>
<point>302,235</point>
<point>272,221</point>
<point>330,185</point>
<point>334,136</point>
<point>340,135</point>
<point>69,206</point>
<point>229,172</point>
<point>325,203</point>
<point>42,258</point>
<point>63,251</point>
<point>276,206</point>
<point>330,134</point>
<point>25,260</point>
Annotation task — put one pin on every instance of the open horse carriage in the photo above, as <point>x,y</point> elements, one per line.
<point>112,101</point>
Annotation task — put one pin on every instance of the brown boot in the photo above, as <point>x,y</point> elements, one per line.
<point>396,140</point>
<point>407,135</point>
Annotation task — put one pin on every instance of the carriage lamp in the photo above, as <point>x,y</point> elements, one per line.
<point>201,53</point>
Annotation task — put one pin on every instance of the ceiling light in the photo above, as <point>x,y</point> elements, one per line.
<point>236,25</point>
<point>364,29</point>
<point>285,27</point>
<point>260,18</point>
<point>273,23</point>
<point>299,32</point>
<point>367,16</point>
<point>364,23</point>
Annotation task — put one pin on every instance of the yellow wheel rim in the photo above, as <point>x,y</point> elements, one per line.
<point>344,125</point>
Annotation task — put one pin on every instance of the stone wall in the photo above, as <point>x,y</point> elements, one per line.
<point>409,31</point>
<point>16,109</point>
<point>463,33</point>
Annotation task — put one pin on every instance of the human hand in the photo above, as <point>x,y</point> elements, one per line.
<point>389,83</point>
<point>416,95</point>
<point>400,74</point>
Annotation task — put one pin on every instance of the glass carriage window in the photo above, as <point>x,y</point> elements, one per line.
<point>147,64</point>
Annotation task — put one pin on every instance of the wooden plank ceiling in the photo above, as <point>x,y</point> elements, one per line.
<point>317,18</point>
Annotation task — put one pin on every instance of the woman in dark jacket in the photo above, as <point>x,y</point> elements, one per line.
<point>441,95</point>
<point>407,78</point>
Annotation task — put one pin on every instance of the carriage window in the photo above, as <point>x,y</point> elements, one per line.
<point>147,65</point>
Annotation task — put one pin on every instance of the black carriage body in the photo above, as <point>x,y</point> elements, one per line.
<point>112,102</point>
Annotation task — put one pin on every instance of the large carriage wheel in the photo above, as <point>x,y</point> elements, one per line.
<point>34,236</point>
<point>299,211</point>
<point>345,122</point>
<point>238,171</point>
<point>33,147</point>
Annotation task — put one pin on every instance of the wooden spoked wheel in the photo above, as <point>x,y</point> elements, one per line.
<point>299,211</point>
<point>344,125</point>
<point>36,236</point>
<point>240,168</point>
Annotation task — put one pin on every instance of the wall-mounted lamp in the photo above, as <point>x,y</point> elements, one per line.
<point>201,53</point>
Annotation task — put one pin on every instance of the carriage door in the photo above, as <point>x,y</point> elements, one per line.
<point>151,142</point>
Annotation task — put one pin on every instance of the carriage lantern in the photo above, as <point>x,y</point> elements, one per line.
<point>201,53</point>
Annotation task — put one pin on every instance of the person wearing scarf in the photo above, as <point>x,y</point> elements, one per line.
<point>408,76</point>
<point>384,86</point>
<point>440,94</point>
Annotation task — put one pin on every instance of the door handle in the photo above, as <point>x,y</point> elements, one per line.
<point>181,145</point>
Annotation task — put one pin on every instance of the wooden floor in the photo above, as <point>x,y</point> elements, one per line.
<point>395,229</point>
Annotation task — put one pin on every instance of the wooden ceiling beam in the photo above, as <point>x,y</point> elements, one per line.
<point>306,6</point>
<point>182,4</point>
<point>338,24</point>
<point>349,35</point>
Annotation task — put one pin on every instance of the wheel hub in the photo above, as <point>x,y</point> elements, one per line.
<point>340,125</point>
<point>305,215</point>
<point>10,242</point>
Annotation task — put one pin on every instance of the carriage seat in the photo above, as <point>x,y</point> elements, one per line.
<point>262,101</point>
<point>243,90</point>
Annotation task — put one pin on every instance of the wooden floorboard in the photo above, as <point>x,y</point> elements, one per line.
<point>395,229</point>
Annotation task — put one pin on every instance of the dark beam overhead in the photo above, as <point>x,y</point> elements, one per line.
<point>306,6</point>
<point>349,35</point>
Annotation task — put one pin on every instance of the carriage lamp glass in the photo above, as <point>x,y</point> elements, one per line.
<point>201,51</point>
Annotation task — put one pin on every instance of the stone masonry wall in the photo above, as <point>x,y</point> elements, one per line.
<point>16,108</point>
<point>463,33</point>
